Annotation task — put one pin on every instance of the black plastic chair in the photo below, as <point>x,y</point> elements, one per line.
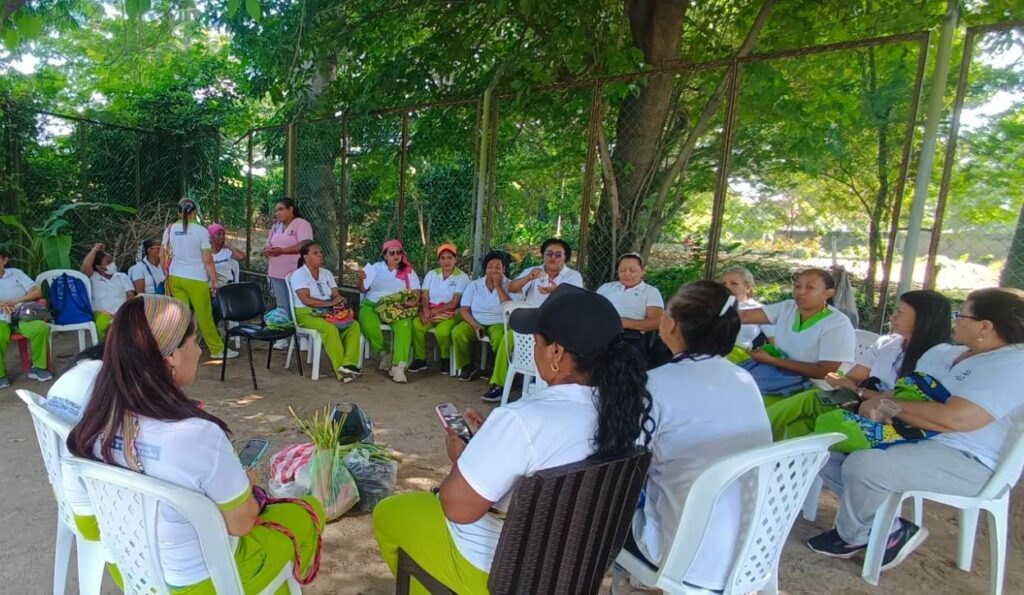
<point>241,303</point>
<point>563,530</point>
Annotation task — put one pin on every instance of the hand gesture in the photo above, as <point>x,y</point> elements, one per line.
<point>761,356</point>
<point>834,380</point>
<point>97,247</point>
<point>480,332</point>
<point>546,289</point>
<point>534,274</point>
<point>473,419</point>
<point>453,445</point>
<point>362,275</point>
<point>425,315</point>
<point>879,410</point>
<point>254,475</point>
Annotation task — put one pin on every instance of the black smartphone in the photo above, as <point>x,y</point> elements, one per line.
<point>253,452</point>
<point>838,397</point>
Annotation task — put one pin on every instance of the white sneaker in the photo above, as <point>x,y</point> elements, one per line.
<point>398,373</point>
<point>303,343</point>
<point>231,354</point>
<point>385,361</point>
<point>281,344</point>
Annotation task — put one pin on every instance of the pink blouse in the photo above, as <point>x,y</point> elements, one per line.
<point>298,231</point>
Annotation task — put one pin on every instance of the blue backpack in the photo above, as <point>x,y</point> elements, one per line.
<point>69,301</point>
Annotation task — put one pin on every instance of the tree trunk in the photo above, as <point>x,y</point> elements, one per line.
<point>1013,271</point>
<point>317,155</point>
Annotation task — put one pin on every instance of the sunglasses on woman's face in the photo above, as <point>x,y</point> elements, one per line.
<point>552,254</point>
<point>395,252</point>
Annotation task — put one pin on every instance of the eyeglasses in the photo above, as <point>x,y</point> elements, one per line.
<point>395,252</point>
<point>957,315</point>
<point>553,254</point>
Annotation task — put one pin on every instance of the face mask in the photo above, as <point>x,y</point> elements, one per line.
<point>110,269</point>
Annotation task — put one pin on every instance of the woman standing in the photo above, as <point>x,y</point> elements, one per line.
<point>282,251</point>
<point>17,287</point>
<point>137,402</point>
<point>595,389</point>
<point>110,288</point>
<point>740,281</point>
<point>315,288</point>
<point>190,274</point>
<point>223,255</point>
<point>439,303</point>
<point>147,275</point>
<point>537,283</point>
<point>482,316</point>
<point>378,281</point>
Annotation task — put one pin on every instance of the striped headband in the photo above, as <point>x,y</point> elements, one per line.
<point>168,320</point>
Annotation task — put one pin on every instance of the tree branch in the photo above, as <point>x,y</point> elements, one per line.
<point>610,186</point>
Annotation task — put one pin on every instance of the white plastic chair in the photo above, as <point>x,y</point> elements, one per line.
<point>236,276</point>
<point>81,327</point>
<point>315,344</point>
<point>520,354</point>
<point>994,499</point>
<point>127,505</point>
<point>774,481</point>
<point>865,340</point>
<point>52,432</point>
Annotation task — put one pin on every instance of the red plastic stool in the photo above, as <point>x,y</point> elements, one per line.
<point>26,357</point>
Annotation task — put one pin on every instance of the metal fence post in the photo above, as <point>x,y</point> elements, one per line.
<point>725,161</point>
<point>343,192</point>
<point>485,145</point>
<point>403,160</point>
<point>248,205</point>
<point>290,182</point>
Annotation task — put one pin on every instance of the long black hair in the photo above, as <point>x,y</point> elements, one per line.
<point>304,250</point>
<point>697,308</point>
<point>186,207</point>
<point>932,315</point>
<point>289,203</point>
<point>619,377</point>
<point>1004,308</point>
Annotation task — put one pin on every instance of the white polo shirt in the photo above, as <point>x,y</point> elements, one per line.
<point>109,294</point>
<point>517,440</point>
<point>381,282</point>
<point>440,290</point>
<point>827,338</point>
<point>484,304</point>
<point>222,263</point>
<point>185,249</point>
<point>13,285</point>
<point>749,332</point>
<point>989,380</point>
<point>883,360</point>
<point>532,289</point>
<point>319,288</point>
<point>153,274</point>
<point>632,302</point>
<point>703,411</point>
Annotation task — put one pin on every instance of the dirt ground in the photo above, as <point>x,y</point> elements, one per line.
<point>404,418</point>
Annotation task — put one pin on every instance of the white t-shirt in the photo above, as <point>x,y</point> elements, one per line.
<point>13,285</point>
<point>632,302</point>
<point>703,411</point>
<point>185,249</point>
<point>532,289</point>
<point>749,332</point>
<point>197,455</point>
<point>990,381</point>
<point>109,294</point>
<point>440,290</point>
<point>884,359</point>
<point>381,282</point>
<point>223,263</point>
<point>319,289</point>
<point>829,338</point>
<point>67,399</point>
<point>518,440</point>
<point>153,274</point>
<point>484,304</point>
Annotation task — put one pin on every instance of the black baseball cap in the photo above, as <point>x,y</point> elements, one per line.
<point>582,321</point>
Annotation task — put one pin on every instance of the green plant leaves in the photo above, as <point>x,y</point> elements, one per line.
<point>233,6</point>
<point>57,251</point>
<point>254,9</point>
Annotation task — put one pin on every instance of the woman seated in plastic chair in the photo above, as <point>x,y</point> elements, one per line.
<point>17,287</point>
<point>595,383</point>
<point>481,316</point>
<point>392,281</point>
<point>439,308</point>
<point>920,321</point>
<point>324,310</point>
<point>982,377</point>
<point>740,281</point>
<point>147,275</point>
<point>640,305</point>
<point>718,414</point>
<point>110,288</point>
<point>139,418</point>
<point>536,283</point>
<point>812,339</point>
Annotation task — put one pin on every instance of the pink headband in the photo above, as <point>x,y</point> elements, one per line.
<point>397,245</point>
<point>214,228</point>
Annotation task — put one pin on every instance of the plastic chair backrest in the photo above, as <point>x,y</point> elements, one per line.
<point>291,297</point>
<point>51,432</point>
<point>775,480</point>
<point>1011,462</point>
<point>236,271</point>
<point>865,340</point>
<point>519,345</point>
<point>49,276</point>
<point>127,505</point>
<point>566,524</point>
<point>240,302</point>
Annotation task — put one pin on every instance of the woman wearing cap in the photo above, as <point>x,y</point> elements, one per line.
<point>147,276</point>
<point>315,287</point>
<point>138,417</point>
<point>190,274</point>
<point>223,255</point>
<point>282,248</point>
<point>537,283</point>
<point>595,383</point>
<point>390,276</point>
<point>719,413</point>
<point>740,282</point>
<point>439,303</point>
<point>110,288</point>
<point>17,287</point>
<point>812,339</point>
<point>482,316</point>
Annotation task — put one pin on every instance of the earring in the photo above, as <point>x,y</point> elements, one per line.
<point>554,367</point>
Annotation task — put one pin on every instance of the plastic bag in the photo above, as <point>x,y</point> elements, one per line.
<point>356,426</point>
<point>332,483</point>
<point>376,477</point>
<point>289,471</point>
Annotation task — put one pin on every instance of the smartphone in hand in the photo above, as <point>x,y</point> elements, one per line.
<point>450,417</point>
<point>252,453</point>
